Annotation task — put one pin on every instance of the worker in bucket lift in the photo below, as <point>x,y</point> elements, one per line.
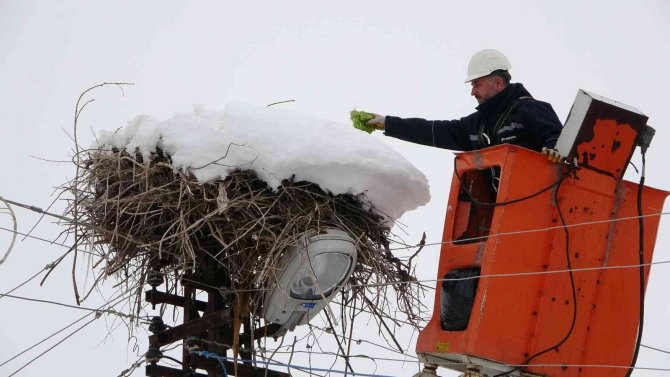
<point>507,113</point>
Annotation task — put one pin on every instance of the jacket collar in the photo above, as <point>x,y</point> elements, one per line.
<point>500,101</point>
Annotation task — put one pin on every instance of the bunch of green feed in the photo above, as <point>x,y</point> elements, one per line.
<point>360,120</point>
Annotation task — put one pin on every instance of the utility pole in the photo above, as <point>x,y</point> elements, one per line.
<point>211,331</point>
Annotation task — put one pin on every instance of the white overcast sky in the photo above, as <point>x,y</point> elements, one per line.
<point>400,58</point>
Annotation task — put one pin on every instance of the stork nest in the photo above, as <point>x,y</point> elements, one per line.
<point>138,216</point>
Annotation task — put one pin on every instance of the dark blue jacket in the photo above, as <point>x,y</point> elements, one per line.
<point>512,116</point>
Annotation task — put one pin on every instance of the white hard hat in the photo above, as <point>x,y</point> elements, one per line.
<point>485,62</point>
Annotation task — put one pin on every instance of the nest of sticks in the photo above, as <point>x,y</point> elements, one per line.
<point>133,213</point>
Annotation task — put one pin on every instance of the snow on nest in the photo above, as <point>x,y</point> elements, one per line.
<point>277,144</point>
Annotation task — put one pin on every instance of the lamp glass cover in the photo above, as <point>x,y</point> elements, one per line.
<point>330,269</point>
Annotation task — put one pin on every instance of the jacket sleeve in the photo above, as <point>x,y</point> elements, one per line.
<point>545,125</point>
<point>448,134</point>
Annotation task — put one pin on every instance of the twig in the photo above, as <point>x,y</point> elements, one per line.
<point>339,345</point>
<point>277,103</point>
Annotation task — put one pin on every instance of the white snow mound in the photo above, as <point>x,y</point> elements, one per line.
<point>276,144</point>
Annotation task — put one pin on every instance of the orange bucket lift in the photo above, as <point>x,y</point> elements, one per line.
<point>546,282</point>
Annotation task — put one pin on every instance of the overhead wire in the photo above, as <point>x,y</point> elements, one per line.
<point>359,341</point>
<point>655,349</point>
<point>354,356</point>
<point>97,313</point>
<point>498,275</point>
<point>104,311</point>
<point>491,235</point>
<point>46,240</point>
<point>572,288</point>
<point>112,302</point>
<point>569,270</point>
<point>47,338</point>
<point>487,276</point>
<point>10,211</point>
<point>48,266</point>
<point>450,362</point>
<point>481,276</point>
<point>640,327</point>
<point>298,367</point>
<point>537,230</point>
<point>56,345</point>
<point>595,222</point>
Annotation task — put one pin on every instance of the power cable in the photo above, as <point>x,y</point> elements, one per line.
<point>55,345</point>
<point>13,216</point>
<point>441,243</point>
<point>562,366</point>
<point>499,275</point>
<point>359,341</point>
<point>641,265</point>
<point>45,339</point>
<point>353,356</point>
<point>301,368</point>
<point>111,303</point>
<point>655,349</point>
<point>604,366</point>
<point>538,230</point>
<point>572,287</point>
<point>48,266</point>
<point>71,221</point>
<point>638,341</point>
<point>510,233</point>
<point>103,311</point>
<point>450,362</point>
<point>517,200</point>
<point>46,240</point>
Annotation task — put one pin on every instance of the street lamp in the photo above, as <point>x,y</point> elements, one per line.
<point>309,278</point>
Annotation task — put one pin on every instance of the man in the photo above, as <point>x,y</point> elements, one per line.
<point>507,113</point>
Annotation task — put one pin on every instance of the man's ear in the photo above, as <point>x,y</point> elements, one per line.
<point>499,82</point>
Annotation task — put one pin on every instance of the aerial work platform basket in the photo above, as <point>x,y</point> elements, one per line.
<point>548,278</point>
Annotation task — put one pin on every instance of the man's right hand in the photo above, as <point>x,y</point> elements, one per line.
<point>377,122</point>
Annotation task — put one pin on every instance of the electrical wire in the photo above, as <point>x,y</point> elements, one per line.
<point>112,302</point>
<point>488,276</point>
<point>71,221</point>
<point>492,235</point>
<point>47,338</point>
<point>569,270</point>
<point>655,349</point>
<point>438,243</point>
<point>354,356</point>
<point>27,281</point>
<point>301,368</point>
<point>55,345</point>
<point>572,287</point>
<point>517,200</point>
<point>538,230</point>
<point>47,241</point>
<point>10,211</point>
<point>556,184</point>
<point>449,362</point>
<point>531,273</point>
<point>640,328</point>
<point>604,366</point>
<point>105,311</point>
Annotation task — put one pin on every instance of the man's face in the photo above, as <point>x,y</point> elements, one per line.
<point>485,87</point>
